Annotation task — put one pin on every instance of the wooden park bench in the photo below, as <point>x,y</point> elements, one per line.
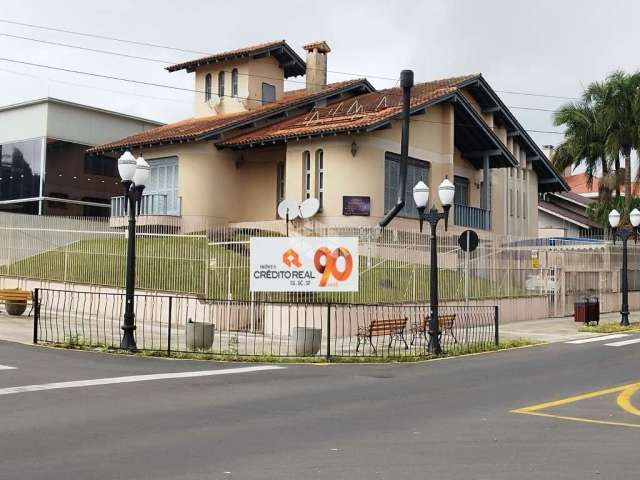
<point>445,325</point>
<point>13,296</point>
<point>394,328</point>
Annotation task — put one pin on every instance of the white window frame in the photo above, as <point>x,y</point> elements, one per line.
<point>320,177</point>
<point>306,175</point>
<point>234,82</point>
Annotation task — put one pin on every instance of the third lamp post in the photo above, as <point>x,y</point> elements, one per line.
<point>446,192</point>
<point>624,233</point>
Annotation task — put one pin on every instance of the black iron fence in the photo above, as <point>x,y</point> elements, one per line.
<point>237,328</point>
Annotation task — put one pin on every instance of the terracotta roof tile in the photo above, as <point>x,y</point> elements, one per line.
<point>578,184</point>
<point>193,128</point>
<point>360,112</point>
<point>279,46</point>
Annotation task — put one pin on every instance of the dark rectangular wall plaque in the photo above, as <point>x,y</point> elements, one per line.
<point>355,205</point>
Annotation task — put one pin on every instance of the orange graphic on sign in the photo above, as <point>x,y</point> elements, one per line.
<point>291,258</point>
<point>330,266</point>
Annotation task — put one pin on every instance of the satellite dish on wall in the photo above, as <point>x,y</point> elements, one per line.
<point>288,209</point>
<point>309,207</point>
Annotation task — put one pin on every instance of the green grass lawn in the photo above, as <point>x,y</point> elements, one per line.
<point>610,328</point>
<point>180,264</point>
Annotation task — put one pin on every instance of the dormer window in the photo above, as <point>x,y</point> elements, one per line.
<point>207,87</point>
<point>268,93</point>
<point>221,85</point>
<point>234,82</point>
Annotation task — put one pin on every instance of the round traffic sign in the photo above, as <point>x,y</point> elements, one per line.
<point>468,240</point>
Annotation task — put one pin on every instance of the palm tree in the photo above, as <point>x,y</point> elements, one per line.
<point>585,142</point>
<point>619,100</point>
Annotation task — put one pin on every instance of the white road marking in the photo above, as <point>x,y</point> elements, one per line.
<point>623,343</point>
<point>7,367</point>
<point>598,339</point>
<point>134,378</point>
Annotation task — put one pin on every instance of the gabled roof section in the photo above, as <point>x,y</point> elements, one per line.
<point>364,112</point>
<point>377,110</point>
<point>571,216</point>
<point>213,126</point>
<point>289,60</point>
<point>549,179</point>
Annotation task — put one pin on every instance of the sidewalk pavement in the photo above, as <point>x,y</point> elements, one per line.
<point>557,329</point>
<point>20,329</point>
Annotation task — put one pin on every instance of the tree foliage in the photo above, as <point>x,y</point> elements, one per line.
<point>602,127</point>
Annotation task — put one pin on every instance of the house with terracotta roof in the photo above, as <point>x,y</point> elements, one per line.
<point>579,184</point>
<point>251,144</point>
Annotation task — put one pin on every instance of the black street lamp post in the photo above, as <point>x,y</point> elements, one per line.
<point>624,233</point>
<point>134,174</point>
<point>446,192</point>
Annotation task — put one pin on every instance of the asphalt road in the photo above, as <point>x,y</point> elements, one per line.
<point>448,419</point>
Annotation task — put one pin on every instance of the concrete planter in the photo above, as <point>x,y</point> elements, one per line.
<point>306,340</point>
<point>199,335</point>
<point>14,307</point>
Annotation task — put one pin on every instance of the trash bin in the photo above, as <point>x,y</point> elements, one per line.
<point>580,312</point>
<point>593,310</point>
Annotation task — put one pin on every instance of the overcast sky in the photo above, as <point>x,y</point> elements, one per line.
<point>547,47</point>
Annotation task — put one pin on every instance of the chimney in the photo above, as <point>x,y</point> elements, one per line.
<point>316,74</point>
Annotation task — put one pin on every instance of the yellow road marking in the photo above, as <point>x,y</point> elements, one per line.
<point>581,420</point>
<point>624,400</point>
<point>576,398</point>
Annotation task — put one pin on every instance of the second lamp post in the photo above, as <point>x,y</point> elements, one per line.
<point>446,192</point>
<point>624,233</point>
<point>134,174</point>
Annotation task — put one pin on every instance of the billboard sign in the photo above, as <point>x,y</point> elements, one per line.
<point>304,264</point>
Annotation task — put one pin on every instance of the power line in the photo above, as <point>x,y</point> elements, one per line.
<point>78,47</point>
<point>168,47</point>
<point>156,60</point>
<point>172,87</point>
<point>161,85</point>
<point>102,37</point>
<point>155,45</point>
<point>91,87</point>
<point>530,94</point>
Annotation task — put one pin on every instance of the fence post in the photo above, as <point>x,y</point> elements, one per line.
<point>496,325</point>
<point>36,313</point>
<point>328,332</point>
<point>169,327</point>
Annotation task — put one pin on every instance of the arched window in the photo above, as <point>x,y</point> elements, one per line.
<point>207,87</point>
<point>234,82</point>
<point>320,176</point>
<point>221,85</point>
<point>306,174</point>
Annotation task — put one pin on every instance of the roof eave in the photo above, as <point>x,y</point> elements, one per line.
<point>563,186</point>
<point>297,68</point>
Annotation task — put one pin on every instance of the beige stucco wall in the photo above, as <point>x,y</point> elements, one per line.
<point>221,186</point>
<point>251,75</point>
<point>431,140</point>
<point>228,186</point>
